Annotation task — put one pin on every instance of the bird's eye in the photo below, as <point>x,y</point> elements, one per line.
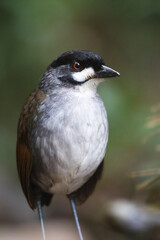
<point>77,66</point>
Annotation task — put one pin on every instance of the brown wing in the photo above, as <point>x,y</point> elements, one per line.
<point>24,168</point>
<point>24,163</point>
<point>87,189</point>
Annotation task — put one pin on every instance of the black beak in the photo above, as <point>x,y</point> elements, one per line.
<point>106,72</point>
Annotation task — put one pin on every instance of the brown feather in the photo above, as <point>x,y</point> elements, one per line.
<point>24,163</point>
<point>24,169</point>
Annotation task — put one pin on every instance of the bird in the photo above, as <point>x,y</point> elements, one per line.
<point>63,132</point>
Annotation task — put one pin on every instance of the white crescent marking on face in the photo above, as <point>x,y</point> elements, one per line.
<point>84,75</point>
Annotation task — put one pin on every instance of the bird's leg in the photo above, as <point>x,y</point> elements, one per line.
<point>76,216</point>
<point>39,208</point>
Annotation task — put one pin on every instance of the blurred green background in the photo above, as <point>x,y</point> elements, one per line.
<point>127,36</point>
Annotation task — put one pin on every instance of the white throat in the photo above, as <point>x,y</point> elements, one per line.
<point>89,87</point>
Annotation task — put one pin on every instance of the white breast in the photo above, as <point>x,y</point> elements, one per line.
<point>75,141</point>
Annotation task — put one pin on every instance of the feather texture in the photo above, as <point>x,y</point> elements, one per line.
<point>24,162</point>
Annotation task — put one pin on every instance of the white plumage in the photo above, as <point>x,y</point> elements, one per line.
<point>78,135</point>
<point>83,75</point>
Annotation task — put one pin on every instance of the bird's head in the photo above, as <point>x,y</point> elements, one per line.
<point>76,68</point>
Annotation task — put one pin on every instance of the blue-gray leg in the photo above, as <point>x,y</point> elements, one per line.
<point>39,207</point>
<point>76,217</point>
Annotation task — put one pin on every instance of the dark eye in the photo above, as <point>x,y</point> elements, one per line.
<point>77,66</point>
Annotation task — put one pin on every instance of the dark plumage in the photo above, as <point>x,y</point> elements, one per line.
<point>85,58</point>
